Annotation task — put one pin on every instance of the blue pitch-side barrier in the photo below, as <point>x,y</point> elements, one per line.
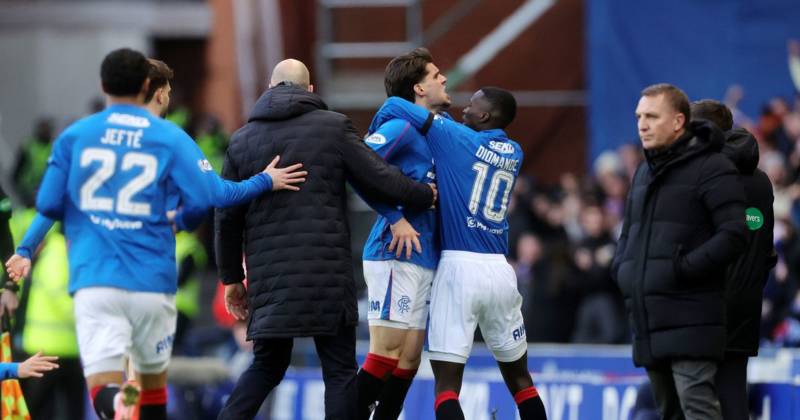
<point>576,382</point>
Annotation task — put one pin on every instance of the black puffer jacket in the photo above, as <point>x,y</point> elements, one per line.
<point>683,226</point>
<point>6,242</point>
<point>297,244</point>
<point>748,274</point>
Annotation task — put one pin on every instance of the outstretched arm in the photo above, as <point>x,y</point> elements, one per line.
<point>376,179</point>
<point>200,187</point>
<point>36,366</point>
<point>34,235</point>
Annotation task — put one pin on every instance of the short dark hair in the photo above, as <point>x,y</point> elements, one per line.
<point>714,111</point>
<point>123,72</point>
<point>405,71</point>
<point>503,104</point>
<point>160,75</point>
<point>675,96</point>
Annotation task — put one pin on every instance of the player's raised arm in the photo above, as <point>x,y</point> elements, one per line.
<point>433,127</point>
<point>396,107</point>
<point>201,187</point>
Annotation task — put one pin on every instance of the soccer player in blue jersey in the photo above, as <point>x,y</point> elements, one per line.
<point>402,250</point>
<point>109,178</point>
<point>19,265</point>
<point>476,168</point>
<point>156,101</point>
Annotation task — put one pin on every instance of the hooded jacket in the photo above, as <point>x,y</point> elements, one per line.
<point>297,244</point>
<point>748,274</point>
<point>683,225</point>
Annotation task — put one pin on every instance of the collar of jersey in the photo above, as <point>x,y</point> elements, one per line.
<point>495,132</point>
<point>127,108</point>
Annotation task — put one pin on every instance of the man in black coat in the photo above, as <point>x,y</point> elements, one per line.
<point>747,276</point>
<point>683,226</point>
<point>297,243</point>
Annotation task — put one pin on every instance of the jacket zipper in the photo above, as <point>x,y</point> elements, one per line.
<point>638,301</point>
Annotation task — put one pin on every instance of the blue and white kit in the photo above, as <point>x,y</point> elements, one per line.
<point>399,288</point>
<point>112,177</point>
<point>474,284</point>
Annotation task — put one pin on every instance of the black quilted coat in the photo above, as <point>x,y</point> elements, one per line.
<point>748,274</point>
<point>297,244</point>
<point>684,224</point>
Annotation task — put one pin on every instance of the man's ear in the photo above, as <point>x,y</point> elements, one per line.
<point>680,120</point>
<point>485,117</point>
<point>145,87</point>
<point>419,90</point>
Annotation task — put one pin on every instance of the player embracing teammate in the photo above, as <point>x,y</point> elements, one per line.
<point>476,168</point>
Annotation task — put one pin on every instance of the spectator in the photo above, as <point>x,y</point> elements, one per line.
<point>529,254</point>
<point>32,160</point>
<point>546,271</point>
<point>599,318</point>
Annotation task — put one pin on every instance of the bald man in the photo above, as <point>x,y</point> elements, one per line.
<point>291,71</point>
<point>297,246</point>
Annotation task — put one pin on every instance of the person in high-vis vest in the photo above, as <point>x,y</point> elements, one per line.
<point>212,141</point>
<point>35,366</point>
<point>46,322</point>
<point>32,160</point>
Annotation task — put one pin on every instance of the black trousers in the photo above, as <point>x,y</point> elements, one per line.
<point>58,394</point>
<point>731,381</point>
<point>337,355</point>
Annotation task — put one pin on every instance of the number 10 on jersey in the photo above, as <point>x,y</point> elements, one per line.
<point>499,176</point>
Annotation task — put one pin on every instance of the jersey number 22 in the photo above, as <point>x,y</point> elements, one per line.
<point>108,160</point>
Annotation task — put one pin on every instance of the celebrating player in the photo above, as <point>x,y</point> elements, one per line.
<point>398,279</point>
<point>476,167</point>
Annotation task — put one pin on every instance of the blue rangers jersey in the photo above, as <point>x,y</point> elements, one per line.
<point>475,174</point>
<point>110,177</point>
<point>41,225</point>
<point>401,145</point>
